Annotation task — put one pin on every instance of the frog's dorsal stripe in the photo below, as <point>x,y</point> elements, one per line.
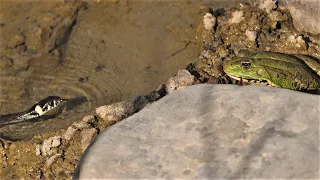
<point>300,59</point>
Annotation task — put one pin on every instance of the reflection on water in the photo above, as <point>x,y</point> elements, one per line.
<point>74,102</point>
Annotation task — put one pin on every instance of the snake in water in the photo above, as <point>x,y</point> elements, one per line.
<point>37,110</point>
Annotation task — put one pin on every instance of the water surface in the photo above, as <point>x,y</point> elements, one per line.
<point>115,51</point>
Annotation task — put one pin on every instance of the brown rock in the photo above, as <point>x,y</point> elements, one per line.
<point>16,40</point>
<point>50,19</point>
<point>86,136</point>
<point>5,62</point>
<point>36,37</point>
<point>60,34</point>
<point>52,159</point>
<point>69,133</point>
<point>50,143</point>
<point>88,118</point>
<point>117,111</point>
<point>80,125</point>
<point>182,79</point>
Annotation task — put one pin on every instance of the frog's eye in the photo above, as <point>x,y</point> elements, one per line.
<point>246,64</point>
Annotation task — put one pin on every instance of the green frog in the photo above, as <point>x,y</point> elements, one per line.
<point>296,72</point>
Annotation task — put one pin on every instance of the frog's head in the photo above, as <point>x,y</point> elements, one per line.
<point>246,69</point>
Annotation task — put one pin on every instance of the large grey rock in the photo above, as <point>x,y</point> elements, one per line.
<point>212,131</point>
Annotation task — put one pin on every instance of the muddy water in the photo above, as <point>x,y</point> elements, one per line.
<point>114,51</point>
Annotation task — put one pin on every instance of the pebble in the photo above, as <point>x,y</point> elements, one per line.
<point>88,118</point>
<point>69,133</point>
<point>182,79</point>
<point>38,149</point>
<point>48,144</point>
<point>52,159</point>
<point>268,5</point>
<point>86,136</point>
<point>252,35</point>
<point>237,16</point>
<point>80,124</point>
<point>209,21</point>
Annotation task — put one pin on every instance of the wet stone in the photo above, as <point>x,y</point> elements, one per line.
<point>60,34</point>
<point>50,19</point>
<point>20,62</point>
<point>5,62</point>
<point>99,68</point>
<point>16,41</point>
<point>36,37</point>
<point>83,79</point>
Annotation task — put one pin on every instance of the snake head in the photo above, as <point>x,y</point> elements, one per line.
<point>47,104</point>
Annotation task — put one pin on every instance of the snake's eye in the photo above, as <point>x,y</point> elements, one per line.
<point>246,64</point>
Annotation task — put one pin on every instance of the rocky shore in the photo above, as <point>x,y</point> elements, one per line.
<point>251,128</point>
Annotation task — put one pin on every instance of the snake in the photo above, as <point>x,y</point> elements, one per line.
<point>36,111</point>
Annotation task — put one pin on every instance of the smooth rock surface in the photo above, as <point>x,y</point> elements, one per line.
<point>210,132</point>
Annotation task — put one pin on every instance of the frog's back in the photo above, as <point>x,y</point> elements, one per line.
<point>310,73</point>
<point>279,57</point>
<point>299,72</point>
<point>311,61</point>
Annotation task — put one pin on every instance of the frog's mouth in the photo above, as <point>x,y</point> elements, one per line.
<point>252,81</point>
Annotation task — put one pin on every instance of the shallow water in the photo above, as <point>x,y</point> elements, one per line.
<point>115,51</point>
